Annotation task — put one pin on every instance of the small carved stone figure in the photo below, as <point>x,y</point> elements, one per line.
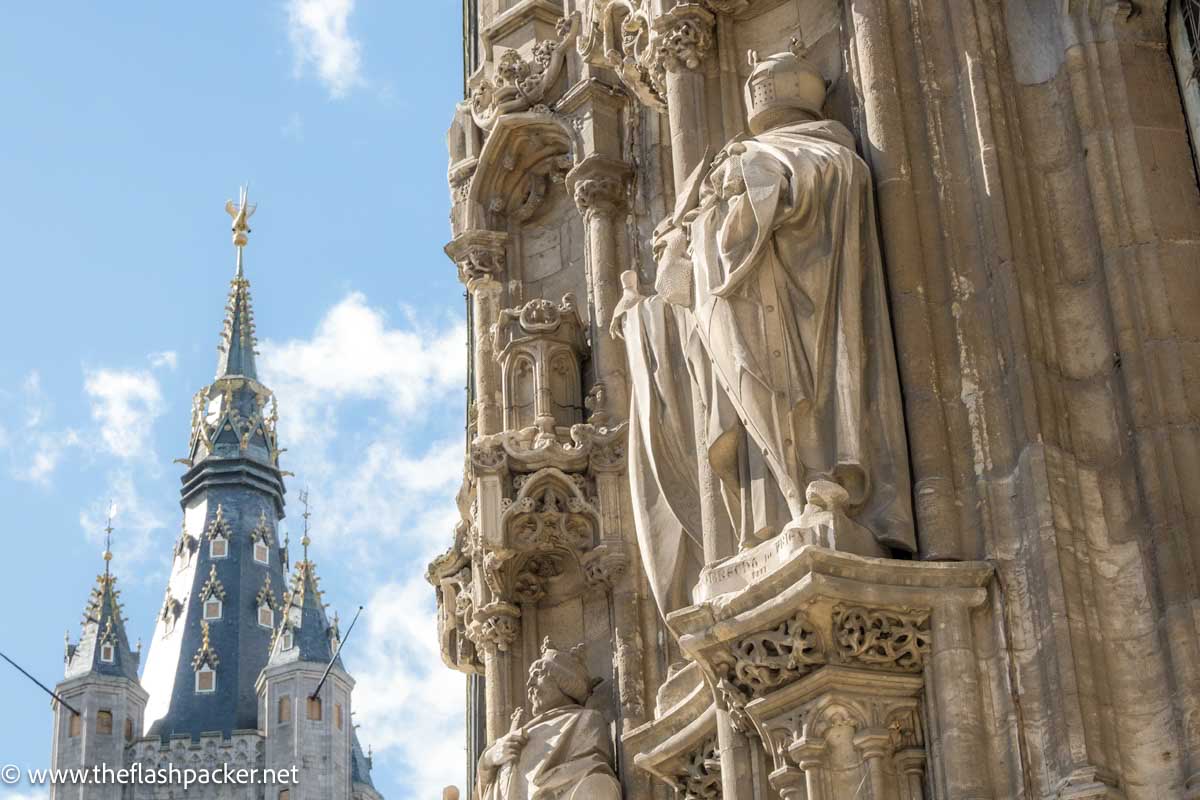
<point>563,752</point>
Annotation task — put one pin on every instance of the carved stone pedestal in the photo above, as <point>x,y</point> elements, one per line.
<point>828,662</point>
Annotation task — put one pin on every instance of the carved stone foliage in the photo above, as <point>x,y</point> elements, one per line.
<point>769,659</point>
<point>540,347</point>
<point>701,778</point>
<point>603,566</point>
<point>528,449</point>
<point>495,627</point>
<point>479,256</point>
<point>895,640</point>
<point>619,34</point>
<point>685,37</point>
<point>520,84</point>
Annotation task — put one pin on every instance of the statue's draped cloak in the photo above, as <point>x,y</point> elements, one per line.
<point>563,746</point>
<point>792,312</point>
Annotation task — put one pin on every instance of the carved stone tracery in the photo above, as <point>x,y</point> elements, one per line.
<point>769,659</point>
<point>882,638</point>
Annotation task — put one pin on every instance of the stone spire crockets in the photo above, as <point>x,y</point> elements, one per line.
<point>213,637</point>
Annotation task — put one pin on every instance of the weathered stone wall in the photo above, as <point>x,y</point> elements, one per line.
<point>1039,219</point>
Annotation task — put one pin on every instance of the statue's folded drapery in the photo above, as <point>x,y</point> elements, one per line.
<point>562,747</point>
<point>791,308</point>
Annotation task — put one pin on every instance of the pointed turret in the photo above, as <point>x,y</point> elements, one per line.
<point>305,632</point>
<point>103,647</point>
<point>305,680</point>
<point>236,350</point>
<point>103,702</point>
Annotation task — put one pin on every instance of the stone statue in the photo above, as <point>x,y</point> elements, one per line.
<point>774,320</point>
<point>563,752</point>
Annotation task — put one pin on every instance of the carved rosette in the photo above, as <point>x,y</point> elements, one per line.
<point>519,84</point>
<point>881,638</point>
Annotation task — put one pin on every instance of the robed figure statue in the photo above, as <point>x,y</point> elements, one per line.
<point>782,335</point>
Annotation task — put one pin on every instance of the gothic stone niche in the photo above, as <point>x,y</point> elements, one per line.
<point>548,530</point>
<point>451,576</point>
<point>540,347</point>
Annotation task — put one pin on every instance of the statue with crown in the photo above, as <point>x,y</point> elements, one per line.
<point>563,752</point>
<point>768,341</point>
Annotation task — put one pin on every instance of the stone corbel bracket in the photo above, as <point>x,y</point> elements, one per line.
<point>518,84</point>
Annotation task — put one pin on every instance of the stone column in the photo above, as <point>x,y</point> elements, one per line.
<point>957,699</point>
<point>598,185</point>
<point>684,38</point>
<point>495,630</point>
<point>874,745</point>
<point>910,764</point>
<point>809,755</point>
<point>480,256</point>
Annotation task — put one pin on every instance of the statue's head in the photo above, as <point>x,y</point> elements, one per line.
<point>558,678</point>
<point>783,88</point>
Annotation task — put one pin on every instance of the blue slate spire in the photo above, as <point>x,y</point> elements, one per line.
<point>237,335</point>
<point>228,562</point>
<point>103,647</point>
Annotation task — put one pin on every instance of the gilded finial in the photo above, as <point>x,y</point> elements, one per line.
<point>241,213</point>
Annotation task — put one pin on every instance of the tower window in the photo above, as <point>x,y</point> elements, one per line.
<point>337,715</point>
<point>314,709</point>
<point>218,547</point>
<point>129,729</point>
<point>74,725</point>
<point>261,552</point>
<point>284,794</point>
<point>285,709</point>
<point>266,617</point>
<point>212,609</point>
<point>206,680</point>
<point>106,653</point>
<point>104,722</point>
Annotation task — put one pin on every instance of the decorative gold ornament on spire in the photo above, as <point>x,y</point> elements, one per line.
<point>241,213</point>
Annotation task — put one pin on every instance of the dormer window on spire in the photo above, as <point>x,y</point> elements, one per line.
<point>205,663</point>
<point>266,604</point>
<point>212,596</point>
<point>107,653</point>
<point>218,535</point>
<point>261,538</point>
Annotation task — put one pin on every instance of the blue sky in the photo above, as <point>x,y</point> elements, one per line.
<point>126,127</point>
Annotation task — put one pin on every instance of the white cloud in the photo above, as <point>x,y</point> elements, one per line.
<point>355,355</point>
<point>363,411</point>
<point>321,38</point>
<point>409,704</point>
<point>35,451</point>
<point>135,522</point>
<point>125,403</point>
<point>166,358</point>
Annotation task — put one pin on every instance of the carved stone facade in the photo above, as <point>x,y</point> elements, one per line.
<point>839,403</point>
